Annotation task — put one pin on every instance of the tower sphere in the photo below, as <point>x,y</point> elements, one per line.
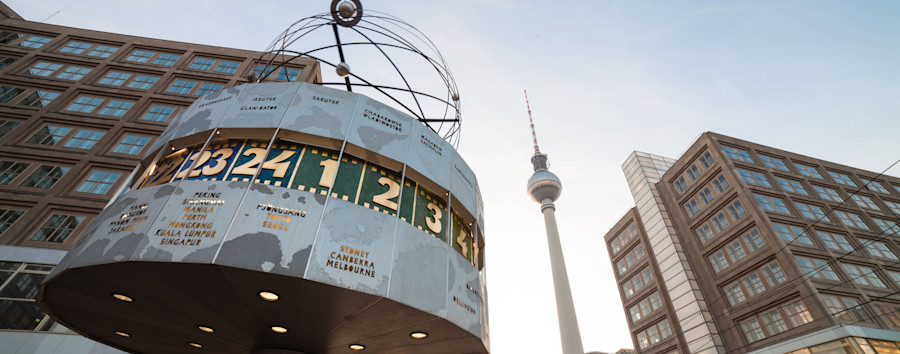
<point>544,184</point>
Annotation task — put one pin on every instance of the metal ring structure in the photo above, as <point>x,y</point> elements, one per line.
<point>354,19</point>
<point>412,76</point>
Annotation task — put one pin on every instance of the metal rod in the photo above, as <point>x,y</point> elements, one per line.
<point>337,39</point>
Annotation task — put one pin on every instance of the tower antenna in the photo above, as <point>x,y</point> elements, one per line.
<point>533,135</point>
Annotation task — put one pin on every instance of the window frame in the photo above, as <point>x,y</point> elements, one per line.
<point>104,104</point>
<point>24,93</point>
<point>65,138</point>
<point>112,186</point>
<point>26,175</point>
<point>70,237</point>
<point>130,80</point>
<point>93,47</point>
<point>123,135</point>
<point>737,154</point>
<point>154,58</point>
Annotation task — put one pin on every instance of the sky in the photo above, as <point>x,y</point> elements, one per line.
<point>605,78</point>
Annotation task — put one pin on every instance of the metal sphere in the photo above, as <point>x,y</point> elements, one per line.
<point>544,184</point>
<point>346,9</point>
<point>342,69</point>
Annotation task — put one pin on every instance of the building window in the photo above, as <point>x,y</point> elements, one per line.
<point>720,183</point>
<point>228,67</point>
<point>49,135</point>
<point>736,210</point>
<point>9,170</point>
<point>39,98</point>
<point>752,330</point>
<point>888,227</point>
<point>7,126</point>
<point>637,282</point>
<point>645,307</point>
<point>816,268</point>
<point>103,51</point>
<point>874,186</point>
<point>808,171</point>
<point>5,61</point>
<point>735,251</point>
<point>85,104</point>
<point>773,322</point>
<point>166,59</point>
<point>116,108</point>
<point>753,284</point>
<point>737,154</point>
<point>791,186</point>
<point>131,144</point>
<point>754,240</point>
<point>19,283</point>
<point>828,194</point>
<point>143,82</point>
<point>693,173</point>
<point>114,78</point>
<point>772,204</point>
<point>879,249</point>
<point>623,238</point>
<point>287,74</point>
<point>35,42</point>
<point>202,63</point>
<point>890,313</point>
<point>158,113</point>
<point>74,47</point>
<point>140,56</point>
<point>864,201</point>
<point>705,196</point>
<point>7,93</point>
<point>182,86</point>
<point>895,207</point>
<point>797,313</point>
<point>84,139</point>
<point>718,261</point>
<point>99,182</point>
<point>841,178</point>
<point>773,162</point>
<point>845,309</point>
<point>680,184</point>
<point>631,259</point>
<point>734,294</point>
<point>654,334</point>
<point>835,241</point>
<point>863,275</point>
<point>704,233</point>
<point>44,176</point>
<point>282,73</point>
<point>811,212</point>
<point>773,274</point>
<point>706,160</point>
<point>894,275</point>
<point>57,228</point>
<point>851,219</point>
<point>754,178</point>
<point>8,217</point>
<point>691,207</point>
<point>719,222</point>
<point>44,69</point>
<point>207,88</point>
<point>73,73</point>
<point>6,36</point>
<point>791,234</point>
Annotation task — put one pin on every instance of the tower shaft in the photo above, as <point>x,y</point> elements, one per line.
<point>569,334</point>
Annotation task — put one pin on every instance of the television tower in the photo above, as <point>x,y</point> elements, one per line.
<point>544,187</point>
